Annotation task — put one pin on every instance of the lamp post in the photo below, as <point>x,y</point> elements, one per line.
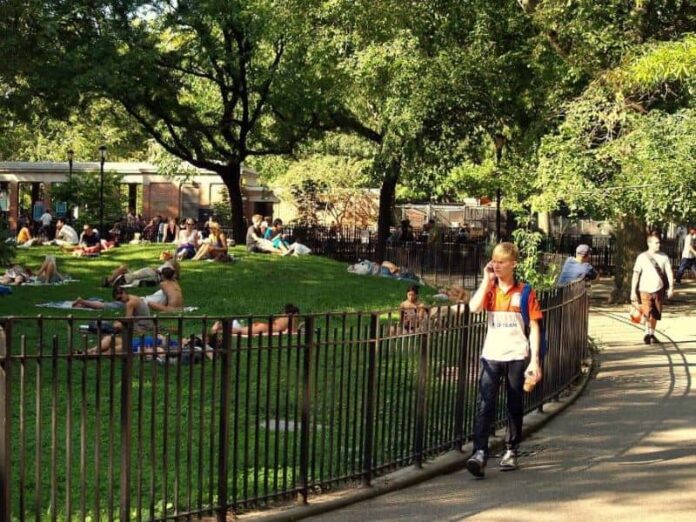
<point>102,159</point>
<point>499,144</point>
<point>71,153</point>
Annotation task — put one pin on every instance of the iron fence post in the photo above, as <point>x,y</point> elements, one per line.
<point>370,400</point>
<point>126,382</point>
<point>306,406</point>
<point>5,418</point>
<point>461,379</point>
<point>221,509</point>
<point>421,392</point>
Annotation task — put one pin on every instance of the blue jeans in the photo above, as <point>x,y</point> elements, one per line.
<point>489,384</point>
<point>685,265</point>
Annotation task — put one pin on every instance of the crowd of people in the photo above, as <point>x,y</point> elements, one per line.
<point>511,349</point>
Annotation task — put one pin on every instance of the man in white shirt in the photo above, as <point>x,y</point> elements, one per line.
<point>688,257</point>
<point>652,279</point>
<point>65,234</point>
<point>46,219</point>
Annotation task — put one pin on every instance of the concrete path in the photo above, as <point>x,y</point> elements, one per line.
<point>626,450</point>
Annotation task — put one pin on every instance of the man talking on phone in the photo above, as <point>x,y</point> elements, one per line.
<point>508,354</point>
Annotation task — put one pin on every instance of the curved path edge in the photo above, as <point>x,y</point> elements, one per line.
<point>449,462</point>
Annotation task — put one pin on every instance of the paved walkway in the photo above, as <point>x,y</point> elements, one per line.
<point>626,450</point>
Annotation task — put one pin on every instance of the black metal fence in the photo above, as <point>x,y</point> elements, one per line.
<point>604,249</point>
<point>201,424</point>
<point>454,261</point>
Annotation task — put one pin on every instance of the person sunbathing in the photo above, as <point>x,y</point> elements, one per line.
<point>286,323</point>
<point>47,273</point>
<point>123,275</point>
<point>169,298</point>
<point>135,307</point>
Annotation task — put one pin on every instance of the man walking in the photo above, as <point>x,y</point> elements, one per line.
<point>577,267</point>
<point>652,280</point>
<point>688,257</point>
<point>508,353</point>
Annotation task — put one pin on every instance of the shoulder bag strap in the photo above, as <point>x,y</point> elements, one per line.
<point>659,271</point>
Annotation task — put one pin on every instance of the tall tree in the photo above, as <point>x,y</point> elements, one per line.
<point>213,82</point>
<point>625,149</point>
<point>425,82</point>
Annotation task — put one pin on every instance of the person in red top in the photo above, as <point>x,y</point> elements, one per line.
<point>508,353</point>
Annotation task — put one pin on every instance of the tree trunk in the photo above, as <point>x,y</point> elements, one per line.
<point>231,175</point>
<point>386,203</point>
<point>630,241</point>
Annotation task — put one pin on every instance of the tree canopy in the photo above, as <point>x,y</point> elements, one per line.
<point>594,100</point>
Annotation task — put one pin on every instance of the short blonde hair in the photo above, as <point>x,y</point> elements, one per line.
<point>508,250</point>
<point>257,219</point>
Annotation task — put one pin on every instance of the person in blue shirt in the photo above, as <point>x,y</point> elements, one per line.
<point>577,267</point>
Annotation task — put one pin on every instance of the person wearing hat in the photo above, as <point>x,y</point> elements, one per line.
<point>577,267</point>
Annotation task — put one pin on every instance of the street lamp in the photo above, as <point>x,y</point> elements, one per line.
<point>102,159</point>
<point>71,153</point>
<point>499,140</point>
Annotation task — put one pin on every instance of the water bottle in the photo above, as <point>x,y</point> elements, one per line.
<point>529,382</point>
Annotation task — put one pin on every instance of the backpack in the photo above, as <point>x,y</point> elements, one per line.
<point>524,310</point>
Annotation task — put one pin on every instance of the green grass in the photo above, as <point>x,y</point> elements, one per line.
<point>255,284</point>
<point>66,412</point>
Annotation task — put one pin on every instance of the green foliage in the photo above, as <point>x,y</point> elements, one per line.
<point>7,250</point>
<point>529,268</point>
<point>307,195</point>
<point>221,209</point>
<point>613,160</point>
<point>40,138</point>
<point>83,191</point>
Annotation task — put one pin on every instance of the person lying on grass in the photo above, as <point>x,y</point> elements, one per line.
<point>287,323</point>
<point>169,298</point>
<point>135,307</point>
<point>125,276</point>
<point>47,273</point>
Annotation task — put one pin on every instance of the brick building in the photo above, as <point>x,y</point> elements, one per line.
<point>25,187</point>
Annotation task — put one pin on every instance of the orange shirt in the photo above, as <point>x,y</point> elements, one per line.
<point>498,301</point>
<point>506,338</point>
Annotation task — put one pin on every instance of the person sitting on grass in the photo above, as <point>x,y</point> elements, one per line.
<point>134,307</point>
<point>188,241</point>
<point>47,273</point>
<point>286,323</point>
<point>255,241</point>
<point>169,298</point>
<point>412,311</point>
<point>26,240</point>
<point>65,234</point>
<point>215,246</point>
<point>89,244</point>
<point>275,235</point>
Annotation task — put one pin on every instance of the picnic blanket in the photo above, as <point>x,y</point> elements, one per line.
<point>67,305</point>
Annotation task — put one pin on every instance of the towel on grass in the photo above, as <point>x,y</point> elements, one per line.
<point>65,280</point>
<point>67,305</point>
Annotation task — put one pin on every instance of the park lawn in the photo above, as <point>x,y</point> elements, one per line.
<point>255,284</point>
<point>70,411</point>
